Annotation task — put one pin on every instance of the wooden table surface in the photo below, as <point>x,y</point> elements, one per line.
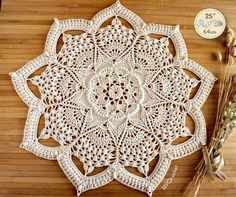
<point>23,28</point>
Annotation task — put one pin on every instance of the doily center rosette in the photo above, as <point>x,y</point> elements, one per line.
<point>114,96</point>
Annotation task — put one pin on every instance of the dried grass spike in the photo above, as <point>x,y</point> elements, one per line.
<point>233,52</point>
<point>229,31</point>
<point>219,56</point>
<point>229,39</point>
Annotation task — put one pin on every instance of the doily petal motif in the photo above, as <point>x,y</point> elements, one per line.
<point>114,97</point>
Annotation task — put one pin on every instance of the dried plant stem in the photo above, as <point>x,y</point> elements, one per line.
<point>212,161</point>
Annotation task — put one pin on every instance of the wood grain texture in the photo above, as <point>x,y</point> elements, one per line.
<point>23,28</point>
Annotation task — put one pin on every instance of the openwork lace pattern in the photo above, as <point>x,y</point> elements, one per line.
<point>114,97</point>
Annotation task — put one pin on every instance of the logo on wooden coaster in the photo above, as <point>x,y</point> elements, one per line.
<point>209,23</point>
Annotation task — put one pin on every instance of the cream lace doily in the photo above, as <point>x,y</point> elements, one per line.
<point>114,96</point>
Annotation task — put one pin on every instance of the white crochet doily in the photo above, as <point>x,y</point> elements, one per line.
<point>114,96</point>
